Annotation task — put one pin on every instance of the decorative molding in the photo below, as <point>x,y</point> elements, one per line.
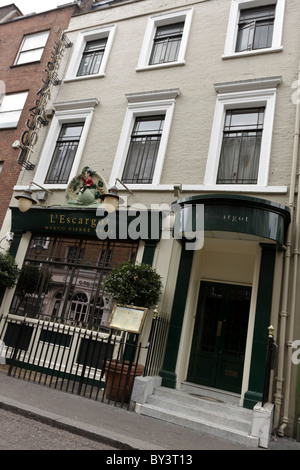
<point>156,95</point>
<point>247,85</point>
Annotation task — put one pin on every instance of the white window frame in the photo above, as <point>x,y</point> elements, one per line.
<point>82,39</point>
<point>5,109</point>
<point>160,20</point>
<point>41,47</point>
<point>235,95</point>
<point>232,29</point>
<point>66,113</point>
<point>145,104</point>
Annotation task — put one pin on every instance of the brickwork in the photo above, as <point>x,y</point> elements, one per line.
<point>26,77</point>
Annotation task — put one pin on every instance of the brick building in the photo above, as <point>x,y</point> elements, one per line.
<point>26,44</point>
<point>192,101</point>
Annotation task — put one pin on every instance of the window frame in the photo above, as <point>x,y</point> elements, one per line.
<point>22,45</point>
<point>161,20</point>
<point>83,38</point>
<point>232,28</point>
<point>65,113</point>
<point>234,96</point>
<point>139,105</point>
<point>14,124</point>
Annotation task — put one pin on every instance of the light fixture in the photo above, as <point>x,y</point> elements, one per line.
<point>111,200</point>
<point>26,200</point>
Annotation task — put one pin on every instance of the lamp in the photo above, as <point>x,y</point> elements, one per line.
<point>26,200</point>
<point>111,200</point>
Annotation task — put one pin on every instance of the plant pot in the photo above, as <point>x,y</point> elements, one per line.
<point>119,378</point>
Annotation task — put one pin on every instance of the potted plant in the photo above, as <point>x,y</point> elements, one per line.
<point>133,284</point>
<point>136,285</point>
<point>9,271</point>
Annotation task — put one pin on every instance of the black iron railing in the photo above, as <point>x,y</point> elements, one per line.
<point>75,359</point>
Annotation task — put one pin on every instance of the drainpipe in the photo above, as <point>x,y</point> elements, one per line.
<point>286,278</point>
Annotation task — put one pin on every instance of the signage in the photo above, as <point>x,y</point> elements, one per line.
<point>38,113</point>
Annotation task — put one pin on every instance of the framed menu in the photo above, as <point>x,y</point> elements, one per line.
<point>127,318</point>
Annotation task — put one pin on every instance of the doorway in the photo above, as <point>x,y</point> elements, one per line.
<point>219,340</point>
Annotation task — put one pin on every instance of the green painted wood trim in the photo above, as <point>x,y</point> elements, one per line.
<point>262,322</point>
<point>183,279</point>
<point>149,250</point>
<point>229,213</point>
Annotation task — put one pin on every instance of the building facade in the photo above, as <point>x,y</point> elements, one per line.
<point>193,106</point>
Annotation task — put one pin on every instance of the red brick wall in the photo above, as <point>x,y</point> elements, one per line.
<point>27,77</point>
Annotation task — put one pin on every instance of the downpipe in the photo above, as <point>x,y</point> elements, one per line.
<point>286,281</point>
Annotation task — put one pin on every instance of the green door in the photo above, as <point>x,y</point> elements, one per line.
<point>218,347</point>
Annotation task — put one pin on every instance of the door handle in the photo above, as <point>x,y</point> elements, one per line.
<point>219,328</point>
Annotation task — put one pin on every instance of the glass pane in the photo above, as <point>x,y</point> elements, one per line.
<point>35,41</point>
<point>13,102</point>
<point>30,56</point>
<point>9,119</point>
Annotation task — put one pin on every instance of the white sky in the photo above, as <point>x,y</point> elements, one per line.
<point>34,6</point>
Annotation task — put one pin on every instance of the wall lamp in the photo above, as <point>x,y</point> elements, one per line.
<point>111,200</point>
<point>25,200</point>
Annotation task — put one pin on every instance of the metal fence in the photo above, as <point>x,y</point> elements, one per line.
<point>97,364</point>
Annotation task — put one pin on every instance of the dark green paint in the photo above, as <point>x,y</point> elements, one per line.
<point>262,322</point>
<point>168,371</point>
<point>240,214</point>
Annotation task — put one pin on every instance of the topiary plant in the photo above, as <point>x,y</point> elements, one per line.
<point>133,284</point>
<point>9,271</point>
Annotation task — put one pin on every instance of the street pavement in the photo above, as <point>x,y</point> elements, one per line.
<point>119,428</point>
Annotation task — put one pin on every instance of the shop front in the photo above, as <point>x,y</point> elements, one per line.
<point>64,261</point>
<point>227,295</point>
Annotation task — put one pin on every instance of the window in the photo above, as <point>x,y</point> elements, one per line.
<point>143,149</point>
<point>11,108</point>
<point>32,48</point>
<point>65,142</point>
<point>144,137</point>
<point>92,57</point>
<point>254,27</point>
<point>166,43</point>
<point>165,40</point>
<point>64,153</point>
<point>90,54</point>
<point>240,145</point>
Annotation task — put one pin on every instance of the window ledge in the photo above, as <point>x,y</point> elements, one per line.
<point>210,188</point>
<point>160,66</point>
<point>236,55</point>
<point>84,77</point>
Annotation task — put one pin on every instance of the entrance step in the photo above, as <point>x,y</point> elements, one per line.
<point>201,413</point>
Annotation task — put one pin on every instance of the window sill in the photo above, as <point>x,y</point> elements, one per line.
<point>213,188</point>
<point>236,55</point>
<point>159,66</point>
<point>84,77</point>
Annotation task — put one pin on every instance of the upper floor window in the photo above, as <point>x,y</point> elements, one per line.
<point>11,108</point>
<point>92,57</point>
<point>65,142</point>
<point>144,137</point>
<point>241,138</point>
<point>32,48</point>
<point>254,27</point>
<point>165,40</point>
<point>143,149</point>
<point>239,159</point>
<point>90,54</point>
<point>64,153</point>
<point>166,43</point>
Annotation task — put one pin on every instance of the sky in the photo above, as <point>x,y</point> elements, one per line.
<point>35,6</point>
